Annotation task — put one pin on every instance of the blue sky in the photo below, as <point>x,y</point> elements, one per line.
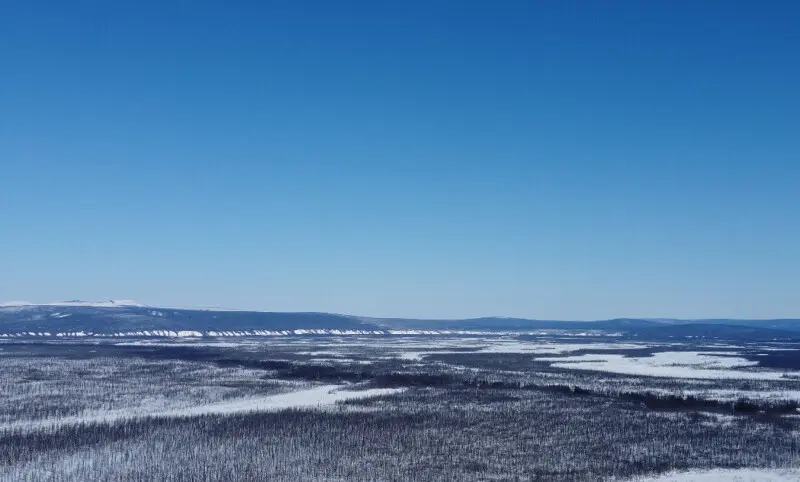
<point>568,160</point>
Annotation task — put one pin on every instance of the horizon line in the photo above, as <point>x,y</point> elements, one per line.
<point>111,303</point>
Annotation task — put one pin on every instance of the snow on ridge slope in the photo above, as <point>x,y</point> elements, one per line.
<point>251,333</point>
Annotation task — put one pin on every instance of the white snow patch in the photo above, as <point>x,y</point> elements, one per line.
<point>189,342</point>
<point>413,355</point>
<point>733,395</point>
<point>312,398</point>
<point>727,475</point>
<point>189,334</point>
<point>670,364</point>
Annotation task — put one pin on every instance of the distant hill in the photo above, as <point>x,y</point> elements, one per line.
<point>509,324</point>
<point>127,318</point>
<point>739,332</point>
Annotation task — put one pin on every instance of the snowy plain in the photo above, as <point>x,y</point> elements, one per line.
<point>471,401</point>
<point>311,398</point>
<point>673,364</point>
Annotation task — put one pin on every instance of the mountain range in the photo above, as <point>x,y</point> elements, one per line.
<point>130,319</point>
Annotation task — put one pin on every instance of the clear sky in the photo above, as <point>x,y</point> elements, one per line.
<point>546,159</point>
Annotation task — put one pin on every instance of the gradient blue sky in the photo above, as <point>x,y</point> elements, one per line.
<point>572,160</point>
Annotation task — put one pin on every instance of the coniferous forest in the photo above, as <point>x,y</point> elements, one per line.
<point>402,409</point>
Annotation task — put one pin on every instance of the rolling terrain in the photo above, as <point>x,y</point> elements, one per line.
<point>130,319</point>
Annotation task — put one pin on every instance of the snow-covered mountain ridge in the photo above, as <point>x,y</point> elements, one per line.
<point>115,318</point>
